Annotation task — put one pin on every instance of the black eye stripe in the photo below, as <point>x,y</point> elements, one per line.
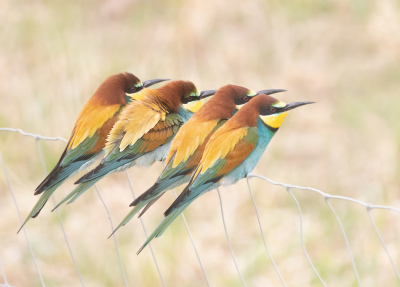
<point>242,101</point>
<point>269,111</point>
<point>187,99</point>
<point>133,89</point>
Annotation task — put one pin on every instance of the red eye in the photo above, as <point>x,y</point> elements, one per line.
<point>245,98</point>
<point>272,109</point>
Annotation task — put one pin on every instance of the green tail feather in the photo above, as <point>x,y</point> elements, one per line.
<point>78,191</point>
<point>40,203</point>
<point>162,226</point>
<point>127,218</point>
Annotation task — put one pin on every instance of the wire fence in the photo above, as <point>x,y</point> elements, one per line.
<point>288,187</point>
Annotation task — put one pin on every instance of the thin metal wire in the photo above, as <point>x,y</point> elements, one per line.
<point>190,235</point>
<point>104,204</point>
<point>145,231</point>
<point>227,237</point>
<point>287,186</point>
<point>326,195</point>
<point>33,135</point>
<point>112,229</point>
<point>4,276</point>
<point>20,220</point>
<point>194,246</point>
<point>262,234</point>
<point>58,215</point>
<point>301,236</point>
<point>345,239</point>
<point>367,206</point>
<point>383,244</point>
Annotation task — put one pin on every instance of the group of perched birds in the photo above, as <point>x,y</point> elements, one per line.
<point>127,123</point>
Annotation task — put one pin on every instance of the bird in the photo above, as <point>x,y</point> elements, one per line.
<point>188,145</point>
<point>88,137</point>
<point>231,153</point>
<point>144,131</point>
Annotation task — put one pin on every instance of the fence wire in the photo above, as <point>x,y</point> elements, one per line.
<point>288,187</point>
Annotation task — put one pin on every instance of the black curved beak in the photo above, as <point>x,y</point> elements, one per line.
<point>149,83</point>
<point>205,94</point>
<point>292,106</point>
<point>270,92</point>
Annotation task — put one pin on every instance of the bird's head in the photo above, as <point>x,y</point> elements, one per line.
<point>118,89</point>
<point>190,93</point>
<point>273,112</point>
<point>240,95</point>
<point>176,93</point>
<point>132,84</point>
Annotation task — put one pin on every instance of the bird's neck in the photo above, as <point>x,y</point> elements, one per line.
<point>184,114</point>
<point>221,107</point>
<point>170,95</point>
<point>161,100</point>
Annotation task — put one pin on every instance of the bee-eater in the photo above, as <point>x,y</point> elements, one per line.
<point>144,131</point>
<point>90,131</point>
<point>188,145</point>
<point>231,153</point>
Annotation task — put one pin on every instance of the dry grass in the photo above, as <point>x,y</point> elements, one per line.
<point>342,54</point>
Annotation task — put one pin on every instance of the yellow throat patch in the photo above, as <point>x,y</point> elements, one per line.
<point>194,106</point>
<point>274,121</point>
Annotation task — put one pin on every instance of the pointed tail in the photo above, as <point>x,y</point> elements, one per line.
<point>139,203</point>
<point>40,203</point>
<point>127,218</point>
<point>157,190</point>
<point>149,205</point>
<point>77,192</point>
<point>163,226</point>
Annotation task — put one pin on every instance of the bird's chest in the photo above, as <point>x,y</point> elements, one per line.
<point>247,165</point>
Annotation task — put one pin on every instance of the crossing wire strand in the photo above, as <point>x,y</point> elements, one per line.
<point>20,220</point>
<point>39,137</point>
<point>59,217</point>
<point>145,232</point>
<point>194,246</point>
<point>262,233</point>
<point>4,276</point>
<point>288,187</point>
<point>190,236</point>
<point>227,238</point>
<point>367,206</point>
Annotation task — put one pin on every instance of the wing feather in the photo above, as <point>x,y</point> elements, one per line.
<point>83,145</point>
<point>90,119</point>
<point>135,120</point>
<point>235,154</point>
<point>220,144</point>
<point>159,135</point>
<point>188,139</point>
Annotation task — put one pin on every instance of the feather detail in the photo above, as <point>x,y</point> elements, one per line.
<point>220,144</point>
<point>135,120</point>
<point>90,119</point>
<point>204,180</point>
<point>188,139</point>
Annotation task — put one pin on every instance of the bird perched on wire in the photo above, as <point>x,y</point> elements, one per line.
<point>231,153</point>
<point>90,131</point>
<point>188,145</point>
<point>144,131</point>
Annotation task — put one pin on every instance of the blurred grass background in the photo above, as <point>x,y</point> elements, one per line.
<point>344,55</point>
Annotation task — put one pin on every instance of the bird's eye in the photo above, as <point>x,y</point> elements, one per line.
<point>133,89</point>
<point>272,109</point>
<point>245,98</point>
